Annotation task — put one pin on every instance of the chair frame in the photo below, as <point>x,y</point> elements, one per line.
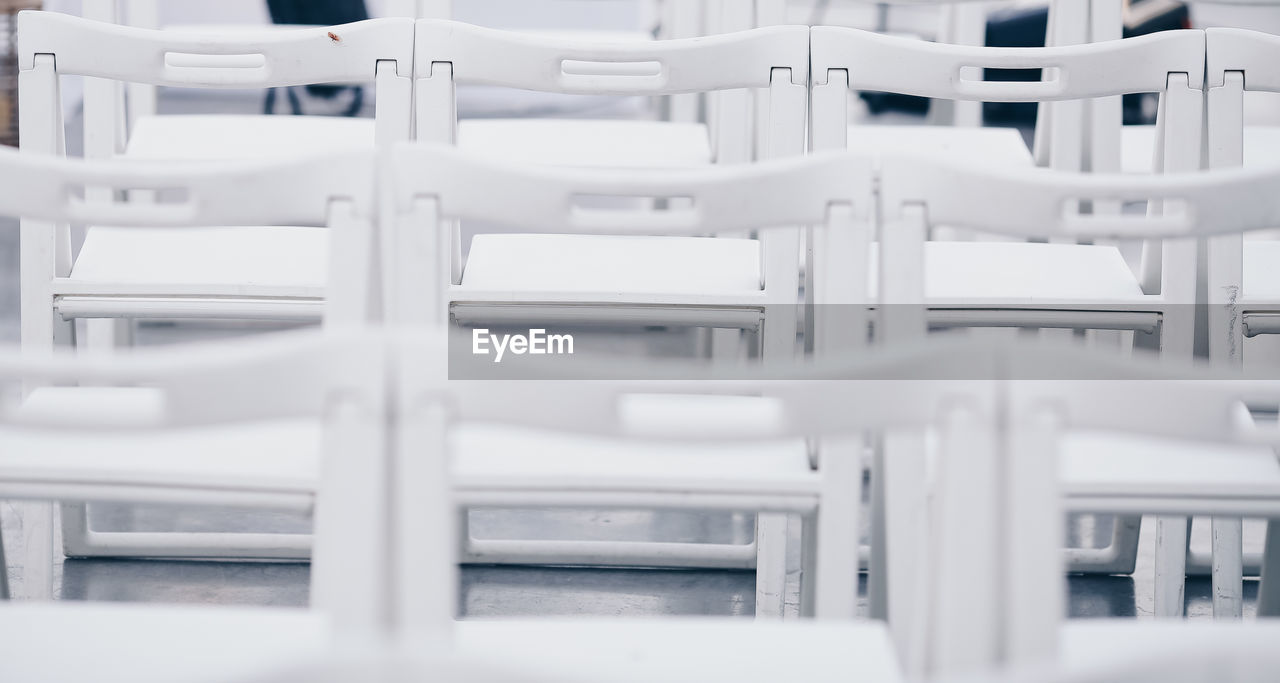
<point>49,192</point>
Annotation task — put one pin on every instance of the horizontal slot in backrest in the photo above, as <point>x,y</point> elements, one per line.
<point>215,68</point>
<point>1010,83</point>
<point>191,60</point>
<point>982,74</point>
<point>632,213</point>
<point>578,67</point>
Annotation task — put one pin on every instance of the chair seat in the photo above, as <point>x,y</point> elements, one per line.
<point>1261,146</point>
<point>226,136</point>
<point>1126,470</point>
<point>588,143</point>
<point>989,145</point>
<point>1023,273</point>
<point>179,644</point>
<point>612,264</point>
<point>232,261</point>
<point>1261,276</point>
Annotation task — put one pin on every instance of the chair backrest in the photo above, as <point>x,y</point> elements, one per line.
<point>335,378</point>
<point>435,184</point>
<point>1171,62</point>
<point>51,44</point>
<point>49,193</point>
<point>774,58</point>
<point>917,193</point>
<point>844,397</point>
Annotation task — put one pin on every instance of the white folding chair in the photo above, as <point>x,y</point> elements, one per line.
<point>330,191</point>
<point>994,596</point>
<point>1189,414</point>
<point>973,277</point>
<point>517,278</point>
<point>917,193</point>
<point>436,185</point>
<point>270,413</point>
<point>400,588</point>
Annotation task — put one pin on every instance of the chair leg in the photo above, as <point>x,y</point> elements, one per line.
<point>1171,565</point>
<point>37,550</point>
<point>1120,557</point>
<point>877,560</point>
<point>808,566</point>
<point>4,572</point>
<point>1269,591</point>
<point>99,334</point>
<point>1228,568</point>
<point>778,343</point>
<point>771,564</point>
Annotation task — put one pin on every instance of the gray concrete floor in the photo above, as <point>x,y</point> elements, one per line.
<point>484,591</point>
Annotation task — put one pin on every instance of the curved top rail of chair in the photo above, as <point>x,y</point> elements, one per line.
<point>663,400</point>
<point>1237,49</point>
<point>914,67</point>
<point>1041,202</point>
<point>295,191</point>
<point>280,375</point>
<point>902,386</point>
<point>515,59</point>
<point>345,53</point>
<point>702,200</point>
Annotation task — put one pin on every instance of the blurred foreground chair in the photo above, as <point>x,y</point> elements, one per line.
<point>435,186</point>
<point>323,192</point>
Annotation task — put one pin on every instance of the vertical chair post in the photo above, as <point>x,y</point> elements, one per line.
<point>351,571</point>
<point>1032,580</point>
<point>1181,131</point>
<point>45,253</point>
<point>424,523</point>
<point>968,560</point>
<point>1224,273</point>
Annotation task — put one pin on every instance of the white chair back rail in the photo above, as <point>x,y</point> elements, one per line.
<point>744,59</point>
<point>773,59</point>
<point>889,63</point>
<point>301,56</point>
<point>745,197</point>
<point>299,192</point>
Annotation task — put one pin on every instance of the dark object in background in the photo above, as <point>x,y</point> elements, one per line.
<point>1026,28</point>
<point>318,13</point>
